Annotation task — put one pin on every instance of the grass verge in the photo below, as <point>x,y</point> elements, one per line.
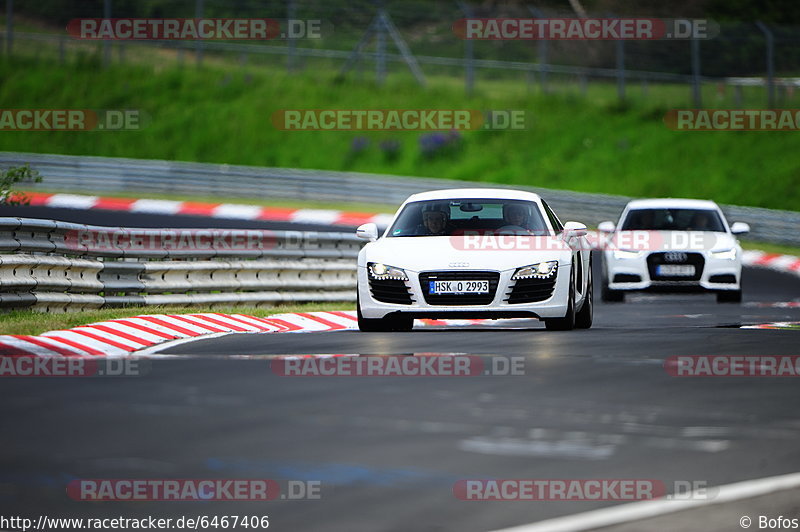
<point>771,248</point>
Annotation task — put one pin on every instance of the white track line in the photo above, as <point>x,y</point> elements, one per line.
<point>636,511</point>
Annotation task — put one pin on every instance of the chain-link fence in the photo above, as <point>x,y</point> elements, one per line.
<point>746,63</point>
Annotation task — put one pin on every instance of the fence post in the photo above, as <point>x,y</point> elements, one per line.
<point>538,13</point>
<point>696,93</point>
<point>291,13</point>
<point>9,26</point>
<point>770,63</point>
<point>106,42</point>
<point>380,45</point>
<point>469,55</point>
<point>621,70</point>
<point>198,13</point>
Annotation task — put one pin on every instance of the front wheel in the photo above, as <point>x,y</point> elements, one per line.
<point>387,324</point>
<point>730,296</point>
<point>567,323</point>
<point>583,319</point>
<point>611,296</point>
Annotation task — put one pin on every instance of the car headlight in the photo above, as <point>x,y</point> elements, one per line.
<point>625,254</point>
<point>540,270</point>
<point>725,254</point>
<point>383,272</point>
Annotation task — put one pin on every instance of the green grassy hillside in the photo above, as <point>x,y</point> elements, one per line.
<point>221,113</point>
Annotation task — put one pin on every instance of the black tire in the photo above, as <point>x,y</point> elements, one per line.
<point>583,319</point>
<point>730,296</point>
<point>401,323</point>
<point>610,296</point>
<point>387,324</point>
<point>567,323</point>
<point>368,324</point>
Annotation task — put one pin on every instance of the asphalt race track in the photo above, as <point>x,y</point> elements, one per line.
<point>387,451</point>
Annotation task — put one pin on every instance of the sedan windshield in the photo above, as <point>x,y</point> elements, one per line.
<point>673,220</point>
<point>469,216</point>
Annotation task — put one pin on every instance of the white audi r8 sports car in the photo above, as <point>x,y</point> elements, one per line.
<point>474,253</point>
<point>672,245</point>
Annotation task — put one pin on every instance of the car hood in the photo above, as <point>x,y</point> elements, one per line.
<point>671,241</point>
<point>443,252</point>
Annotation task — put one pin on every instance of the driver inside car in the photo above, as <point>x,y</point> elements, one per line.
<point>516,219</point>
<point>699,222</point>
<point>435,220</point>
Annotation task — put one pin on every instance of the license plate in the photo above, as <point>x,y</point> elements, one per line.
<point>458,287</point>
<point>682,270</point>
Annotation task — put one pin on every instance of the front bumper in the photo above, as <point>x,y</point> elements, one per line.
<point>717,275</point>
<point>554,306</point>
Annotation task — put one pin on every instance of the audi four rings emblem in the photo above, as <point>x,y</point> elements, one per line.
<point>459,264</point>
<point>675,256</point>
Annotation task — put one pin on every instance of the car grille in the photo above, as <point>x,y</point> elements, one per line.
<point>531,290</point>
<point>459,299</point>
<point>673,257</point>
<point>390,291</point>
<point>723,278</point>
<point>627,278</point>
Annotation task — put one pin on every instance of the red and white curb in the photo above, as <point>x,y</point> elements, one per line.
<point>774,325</point>
<point>773,261</point>
<point>212,210</point>
<point>142,335</point>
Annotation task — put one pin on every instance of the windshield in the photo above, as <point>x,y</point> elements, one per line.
<point>673,220</point>
<point>465,216</point>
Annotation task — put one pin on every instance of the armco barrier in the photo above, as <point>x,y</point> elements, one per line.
<point>99,175</point>
<point>56,266</point>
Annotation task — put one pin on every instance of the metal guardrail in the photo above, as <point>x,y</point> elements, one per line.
<point>57,266</point>
<point>99,175</point>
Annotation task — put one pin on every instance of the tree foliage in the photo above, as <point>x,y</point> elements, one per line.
<point>13,176</point>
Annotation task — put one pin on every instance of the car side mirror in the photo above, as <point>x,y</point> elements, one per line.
<point>606,227</point>
<point>574,229</point>
<point>740,228</point>
<point>368,232</point>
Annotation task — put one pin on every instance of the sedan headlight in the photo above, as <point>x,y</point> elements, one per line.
<point>725,254</point>
<point>625,254</point>
<point>540,270</point>
<point>383,272</point>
